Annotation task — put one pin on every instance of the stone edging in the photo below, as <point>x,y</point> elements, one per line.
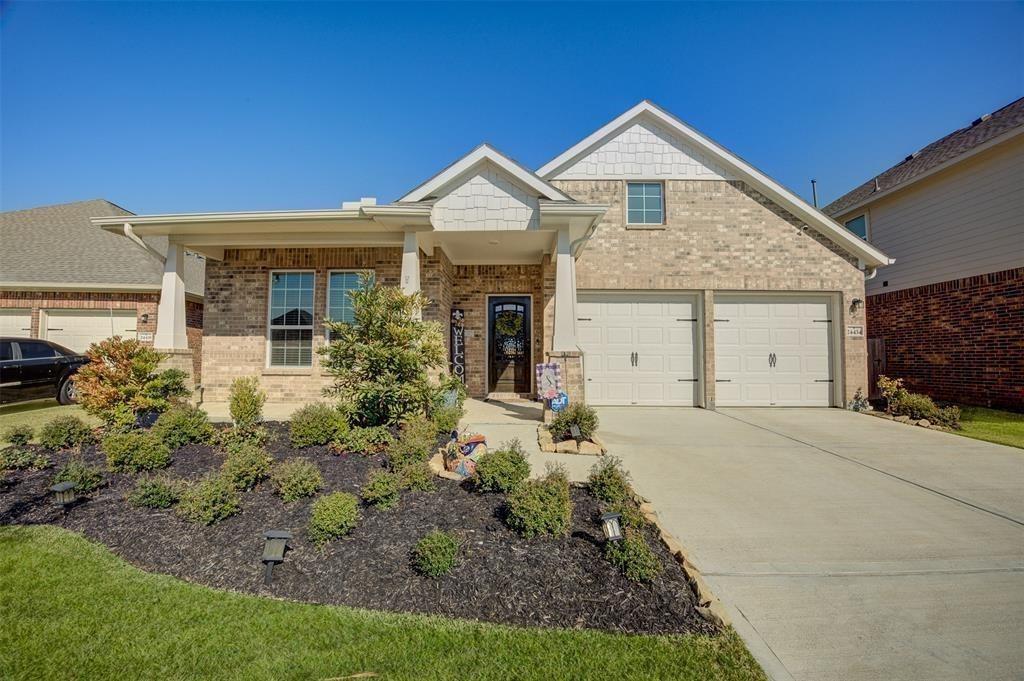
<point>548,445</point>
<point>922,423</point>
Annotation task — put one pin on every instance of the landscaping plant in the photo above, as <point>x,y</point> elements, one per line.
<point>416,443</point>
<point>634,557</point>
<point>231,439</point>
<point>65,432</point>
<point>317,424</point>
<point>20,458</point>
<point>296,478</point>
<point>368,440</point>
<point>381,489</point>
<point>435,554</point>
<point>541,507</point>
<point>209,500</point>
<point>183,425</point>
<point>417,477</point>
<point>333,516</point>
<point>18,435</point>
<point>380,361</point>
<point>135,451</point>
<point>160,491</point>
<point>87,478</point>
<point>246,465</point>
<point>577,414</point>
<point>245,403</point>
<point>608,481</point>
<point>502,469</point>
<point>901,402</point>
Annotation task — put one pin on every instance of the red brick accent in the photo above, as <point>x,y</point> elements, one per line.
<point>960,340</point>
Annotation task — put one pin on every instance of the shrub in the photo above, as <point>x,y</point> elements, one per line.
<point>135,451</point>
<point>296,478</point>
<point>246,465</point>
<point>121,380</point>
<point>18,435</point>
<point>577,414</point>
<point>65,432</point>
<point>435,554</point>
<point>446,419</point>
<point>183,425</point>
<point>19,458</point>
<point>317,424</point>
<point>246,402</point>
<point>503,469</point>
<point>630,512</point>
<point>157,492</point>
<point>901,402</point>
<point>234,438</point>
<point>381,489</point>
<point>333,516</point>
<point>892,391</point>
<point>418,477</point>
<point>380,361</point>
<point>209,500</point>
<point>541,507</point>
<point>416,443</point>
<point>608,482</point>
<point>634,557</point>
<point>87,478</point>
<point>372,440</point>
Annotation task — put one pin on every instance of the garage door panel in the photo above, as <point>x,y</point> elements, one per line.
<point>650,336</point>
<point>16,321</point>
<point>617,363</point>
<point>619,335</point>
<point>756,336</point>
<point>78,329</point>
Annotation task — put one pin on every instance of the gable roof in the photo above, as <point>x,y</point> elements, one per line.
<point>481,154</point>
<point>957,145</point>
<point>870,255</point>
<point>58,245</point>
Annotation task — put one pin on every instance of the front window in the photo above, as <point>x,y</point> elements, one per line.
<point>291,319</point>
<point>645,204</point>
<point>339,299</point>
<point>859,226</point>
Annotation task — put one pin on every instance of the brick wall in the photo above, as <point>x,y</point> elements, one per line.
<point>960,340</point>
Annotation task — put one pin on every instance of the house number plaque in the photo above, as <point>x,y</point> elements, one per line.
<point>457,347</point>
<point>855,332</point>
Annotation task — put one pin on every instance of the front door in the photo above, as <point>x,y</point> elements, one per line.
<point>508,324</point>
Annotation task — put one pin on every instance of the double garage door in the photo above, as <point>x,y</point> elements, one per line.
<point>645,349</point>
<point>74,329</point>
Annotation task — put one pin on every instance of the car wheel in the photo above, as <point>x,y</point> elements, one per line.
<point>67,395</point>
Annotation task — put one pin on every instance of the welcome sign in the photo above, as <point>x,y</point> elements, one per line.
<point>457,346</point>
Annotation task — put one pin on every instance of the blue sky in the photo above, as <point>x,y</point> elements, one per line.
<point>168,107</point>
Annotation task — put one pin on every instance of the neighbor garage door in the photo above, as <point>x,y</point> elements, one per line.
<point>773,351</point>
<point>77,329</point>
<point>16,321</point>
<point>639,348</point>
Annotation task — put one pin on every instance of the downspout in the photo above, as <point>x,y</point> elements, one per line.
<point>130,233</point>
<point>869,272</point>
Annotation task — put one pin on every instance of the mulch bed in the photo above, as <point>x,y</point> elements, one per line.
<point>500,577</point>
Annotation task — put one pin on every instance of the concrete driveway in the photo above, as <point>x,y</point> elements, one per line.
<point>847,547</point>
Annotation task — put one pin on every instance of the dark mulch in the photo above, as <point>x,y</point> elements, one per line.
<point>501,577</point>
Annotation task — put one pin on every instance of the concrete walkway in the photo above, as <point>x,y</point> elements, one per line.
<point>848,547</point>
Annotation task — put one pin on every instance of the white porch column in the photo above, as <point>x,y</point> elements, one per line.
<point>410,264</point>
<point>170,315</point>
<point>564,338</point>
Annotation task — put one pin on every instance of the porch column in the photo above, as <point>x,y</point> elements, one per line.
<point>564,337</point>
<point>410,264</point>
<point>170,315</point>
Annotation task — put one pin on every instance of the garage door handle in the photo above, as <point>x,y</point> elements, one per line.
<point>49,329</point>
<point>686,380</point>
<point>687,320</point>
<point>723,380</point>
<point>823,380</point>
<point>584,319</point>
<point>721,320</point>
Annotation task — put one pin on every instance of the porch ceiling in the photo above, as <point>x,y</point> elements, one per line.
<point>491,247</point>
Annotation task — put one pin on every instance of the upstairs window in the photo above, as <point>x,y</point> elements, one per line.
<point>859,226</point>
<point>645,203</point>
<point>291,319</point>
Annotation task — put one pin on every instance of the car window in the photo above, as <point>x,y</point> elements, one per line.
<point>6,351</point>
<point>36,350</point>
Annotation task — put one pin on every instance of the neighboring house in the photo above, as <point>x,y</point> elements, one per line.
<point>948,316</point>
<point>653,265</point>
<point>66,280</point>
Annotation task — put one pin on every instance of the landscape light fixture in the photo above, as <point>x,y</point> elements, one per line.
<point>611,526</point>
<point>273,551</point>
<point>574,430</point>
<point>64,494</point>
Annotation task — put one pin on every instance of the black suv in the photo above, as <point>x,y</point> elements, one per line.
<point>31,369</point>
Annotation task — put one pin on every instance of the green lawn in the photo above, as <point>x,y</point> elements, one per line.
<point>993,425</point>
<point>38,412</point>
<point>71,609</point>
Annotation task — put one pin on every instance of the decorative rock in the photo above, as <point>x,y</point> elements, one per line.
<point>566,447</point>
<point>924,423</point>
<point>903,419</point>
<point>599,442</point>
<point>590,448</point>
<point>548,447</point>
<point>709,615</point>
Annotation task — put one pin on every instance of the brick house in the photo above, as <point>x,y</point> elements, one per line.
<point>948,316</point>
<point>65,280</point>
<point>653,265</point>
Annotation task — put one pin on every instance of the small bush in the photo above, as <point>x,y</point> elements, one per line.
<point>901,402</point>
<point>19,458</point>
<point>630,512</point>
<point>446,419</point>
<point>157,492</point>
<point>608,482</point>
<point>417,477</point>
<point>435,554</point>
<point>209,500</point>
<point>317,424</point>
<point>503,469</point>
<point>333,516</point>
<point>381,489</point>
<point>365,440</point>
<point>416,443</point>
<point>634,557</point>
<point>18,435</point>
<point>576,414</point>
<point>65,432</point>
<point>235,438</point>
<point>296,478</point>
<point>87,478</point>
<point>541,507</point>
<point>246,402</point>
<point>183,425</point>
<point>135,451</point>
<point>246,465</point>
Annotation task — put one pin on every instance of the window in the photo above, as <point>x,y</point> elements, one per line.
<point>645,205</point>
<point>6,351</point>
<point>339,302</point>
<point>291,319</point>
<point>36,350</point>
<point>859,226</point>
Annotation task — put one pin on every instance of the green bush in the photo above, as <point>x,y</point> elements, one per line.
<point>19,458</point>
<point>576,414</point>
<point>183,425</point>
<point>296,478</point>
<point>135,451</point>
<point>417,477</point>
<point>317,424</point>
<point>416,443</point>
<point>901,402</point>
<point>435,554</point>
<point>65,432</point>
<point>608,482</point>
<point>541,507</point>
<point>359,440</point>
<point>87,478</point>
<point>231,439</point>
<point>209,500</point>
<point>503,469</point>
<point>446,419</point>
<point>160,491</point>
<point>634,557</point>
<point>381,489</point>
<point>246,465</point>
<point>333,516</point>
<point>18,435</point>
<point>245,402</point>
<point>630,512</point>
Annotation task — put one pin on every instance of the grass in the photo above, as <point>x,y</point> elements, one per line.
<point>993,425</point>
<point>71,609</point>
<point>38,412</point>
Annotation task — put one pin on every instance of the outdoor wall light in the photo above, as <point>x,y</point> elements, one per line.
<point>611,526</point>
<point>273,551</point>
<point>145,318</point>
<point>64,494</point>
<point>856,305</point>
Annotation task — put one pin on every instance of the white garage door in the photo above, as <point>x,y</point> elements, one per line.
<point>638,348</point>
<point>77,329</point>
<point>16,321</point>
<point>773,351</point>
